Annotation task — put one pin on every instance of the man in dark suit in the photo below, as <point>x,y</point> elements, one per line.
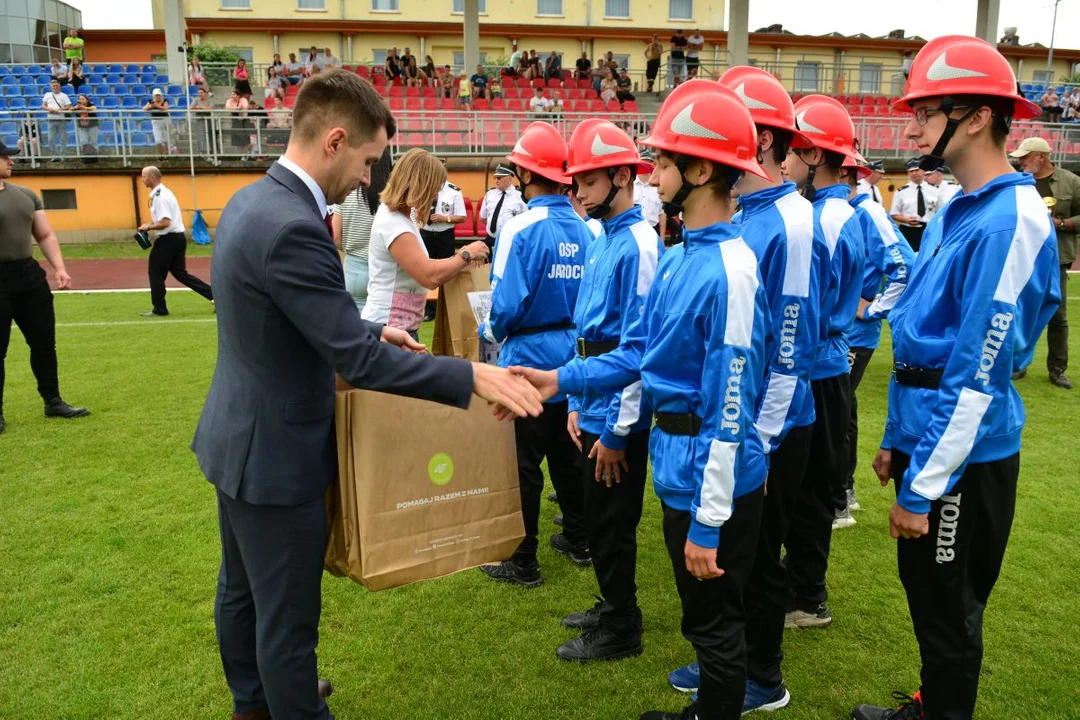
<point>265,439</point>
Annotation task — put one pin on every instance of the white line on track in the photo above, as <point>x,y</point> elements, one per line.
<point>145,323</point>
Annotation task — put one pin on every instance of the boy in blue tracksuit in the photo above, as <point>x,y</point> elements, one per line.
<point>888,262</point>
<point>535,276</point>
<point>819,172</point>
<point>985,284</point>
<point>699,351</point>
<point>611,429</point>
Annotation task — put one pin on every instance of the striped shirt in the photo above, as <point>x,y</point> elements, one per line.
<point>356,220</point>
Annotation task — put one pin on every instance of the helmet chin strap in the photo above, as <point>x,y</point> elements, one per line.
<point>601,211</point>
<point>936,158</point>
<point>675,205</point>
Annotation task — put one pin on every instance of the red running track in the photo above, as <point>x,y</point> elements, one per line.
<point>120,273</point>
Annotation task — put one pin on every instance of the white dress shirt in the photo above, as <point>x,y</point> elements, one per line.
<point>163,204</point>
<point>316,191</point>
<point>906,201</point>
<point>648,198</point>
<point>513,205</point>
<point>450,202</point>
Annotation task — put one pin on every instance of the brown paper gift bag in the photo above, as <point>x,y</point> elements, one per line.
<point>455,324</point>
<point>425,490</point>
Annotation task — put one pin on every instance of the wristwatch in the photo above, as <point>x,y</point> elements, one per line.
<point>466,255</point>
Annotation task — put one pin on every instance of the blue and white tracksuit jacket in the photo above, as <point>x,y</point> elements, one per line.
<point>618,274</point>
<point>778,225</point>
<point>539,259</point>
<point>698,348</point>
<point>840,228</point>
<point>984,285</point>
<point>889,259</point>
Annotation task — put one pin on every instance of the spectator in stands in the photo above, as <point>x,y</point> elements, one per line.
<point>515,58</point>
<point>196,77</point>
<point>444,81</point>
<point>406,55</point>
<point>412,72</point>
<point>275,86</point>
<point>553,66</point>
<point>623,86</point>
<point>28,131</point>
<point>74,46</point>
<point>524,67</point>
<point>392,68</point>
<point>694,45</point>
<point>294,70</point>
<point>653,52</point>
<point>277,64</point>
<point>238,135</point>
<point>611,63</point>
<point>540,104</point>
<point>58,72</point>
<point>496,87</point>
<point>535,64</point>
<point>86,124</point>
<point>905,65</point>
<point>1068,105</point>
<point>479,82</point>
<point>1051,105</point>
<point>312,63</point>
<point>678,56</point>
<point>599,72</point>
<point>328,61</point>
<point>204,124</point>
<point>158,109</point>
<point>352,229</point>
<point>557,103</point>
<point>427,72</point>
<point>583,67</point>
<point>240,78</point>
<point>76,77</point>
<point>465,92</point>
<point>56,104</point>
<point>399,270</point>
<point>609,87</point>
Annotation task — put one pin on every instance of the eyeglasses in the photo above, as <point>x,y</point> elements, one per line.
<point>923,114</point>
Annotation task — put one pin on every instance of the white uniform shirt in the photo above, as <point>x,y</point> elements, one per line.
<point>513,205</point>
<point>865,188</point>
<point>906,201</point>
<point>648,198</point>
<point>449,202</point>
<point>946,190</point>
<point>163,205</point>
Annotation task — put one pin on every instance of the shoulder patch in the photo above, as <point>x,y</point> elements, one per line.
<point>452,186</point>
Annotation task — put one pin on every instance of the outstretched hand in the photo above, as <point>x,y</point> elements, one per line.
<point>512,395</point>
<point>396,336</point>
<point>546,381</point>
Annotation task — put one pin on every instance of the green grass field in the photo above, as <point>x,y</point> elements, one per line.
<point>109,556</point>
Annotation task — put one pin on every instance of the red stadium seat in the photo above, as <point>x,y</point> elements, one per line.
<point>397,103</point>
<point>412,91</point>
<point>468,228</point>
<point>427,91</point>
<point>481,104</point>
<point>575,94</point>
<point>597,105</point>
<point>429,103</point>
<point>515,105</point>
<point>415,140</point>
<point>630,106</point>
<point>522,82</point>
<point>453,140</point>
<point>584,84</point>
<point>554,83</point>
<point>412,103</point>
<point>270,104</point>
<point>378,79</point>
<point>290,100</point>
<point>348,68</point>
<point>363,71</point>
<point>396,91</point>
<point>498,104</point>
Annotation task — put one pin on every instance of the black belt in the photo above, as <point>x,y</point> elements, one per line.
<point>678,423</point>
<point>927,378</point>
<point>568,325</point>
<point>589,348</point>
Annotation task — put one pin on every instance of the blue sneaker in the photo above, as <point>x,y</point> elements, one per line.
<point>686,678</point>
<point>759,697</point>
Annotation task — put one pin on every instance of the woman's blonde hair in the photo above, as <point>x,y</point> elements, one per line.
<point>414,183</point>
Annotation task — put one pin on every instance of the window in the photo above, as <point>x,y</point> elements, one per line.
<point>385,5</point>
<point>1042,76</point>
<point>244,52</point>
<point>459,6</point>
<point>623,60</point>
<point>235,4</point>
<point>617,8</point>
<point>549,7</point>
<point>459,62</point>
<point>378,57</point>
<point>680,9</point>
<point>310,4</point>
<point>869,79</point>
<point>806,77</point>
<point>59,199</point>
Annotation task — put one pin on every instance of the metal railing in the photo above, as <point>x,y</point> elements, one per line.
<point>214,137</point>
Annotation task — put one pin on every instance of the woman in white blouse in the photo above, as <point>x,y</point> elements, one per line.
<point>352,229</point>
<point>400,273</point>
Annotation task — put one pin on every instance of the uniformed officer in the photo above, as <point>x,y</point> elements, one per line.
<point>946,188</point>
<point>978,297</point>
<point>914,204</point>
<point>868,184</point>
<point>501,203</point>
<point>24,293</point>
<point>647,197</point>
<point>449,211</point>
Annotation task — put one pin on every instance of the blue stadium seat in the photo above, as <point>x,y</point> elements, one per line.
<point>139,140</point>
<point>11,90</point>
<point>133,69</point>
<point>9,128</point>
<point>162,79</point>
<point>129,79</point>
<point>179,102</point>
<point>112,79</point>
<point>145,126</point>
<point>4,72</point>
<point>150,68</point>
<point>18,103</point>
<point>67,90</point>
<point>116,69</point>
<point>97,79</point>
<point>3,103</point>
<point>11,140</point>
<point>99,69</point>
<point>129,102</point>
<point>27,80</point>
<point>108,126</point>
<point>138,90</point>
<point>175,91</point>
<point>109,102</point>
<point>9,80</point>
<point>18,70</point>
<point>35,70</point>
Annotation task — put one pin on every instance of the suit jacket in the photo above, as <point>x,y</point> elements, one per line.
<point>285,325</point>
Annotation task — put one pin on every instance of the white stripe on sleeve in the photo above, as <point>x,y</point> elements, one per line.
<point>775,406</point>
<point>718,486</point>
<point>955,444</point>
<point>740,266</point>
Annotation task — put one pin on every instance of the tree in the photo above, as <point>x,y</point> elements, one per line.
<point>210,53</point>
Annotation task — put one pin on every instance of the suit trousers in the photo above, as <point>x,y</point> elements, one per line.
<point>713,618</point>
<point>25,298</point>
<point>269,598</point>
<point>546,437</point>
<point>612,515</point>
<point>767,591</point>
<point>1057,332</point>
<point>167,256</point>
<point>859,358</point>
<point>810,535</point>
<point>948,575</point>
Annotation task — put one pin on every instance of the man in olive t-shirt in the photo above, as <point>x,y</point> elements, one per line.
<point>25,297</point>
<point>73,46</point>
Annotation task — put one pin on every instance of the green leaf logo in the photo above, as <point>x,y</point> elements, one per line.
<point>440,469</point>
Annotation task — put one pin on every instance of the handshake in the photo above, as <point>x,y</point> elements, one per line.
<point>514,391</point>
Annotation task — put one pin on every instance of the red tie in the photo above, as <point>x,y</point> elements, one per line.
<point>329,220</point>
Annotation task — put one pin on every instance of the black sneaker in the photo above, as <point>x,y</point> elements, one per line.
<point>553,497</point>
<point>813,618</point>
<point>599,643</point>
<point>910,709</point>
<point>558,520</point>
<point>59,409</point>
<point>1019,374</point>
<point>1059,379</point>
<point>578,554</point>
<point>688,713</point>
<point>512,571</point>
<point>584,620</point>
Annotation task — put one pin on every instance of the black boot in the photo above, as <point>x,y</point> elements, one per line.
<point>688,713</point>
<point>600,643</point>
<point>57,408</point>
<point>514,571</point>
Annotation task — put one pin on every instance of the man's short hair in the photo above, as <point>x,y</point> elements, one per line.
<point>339,98</point>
